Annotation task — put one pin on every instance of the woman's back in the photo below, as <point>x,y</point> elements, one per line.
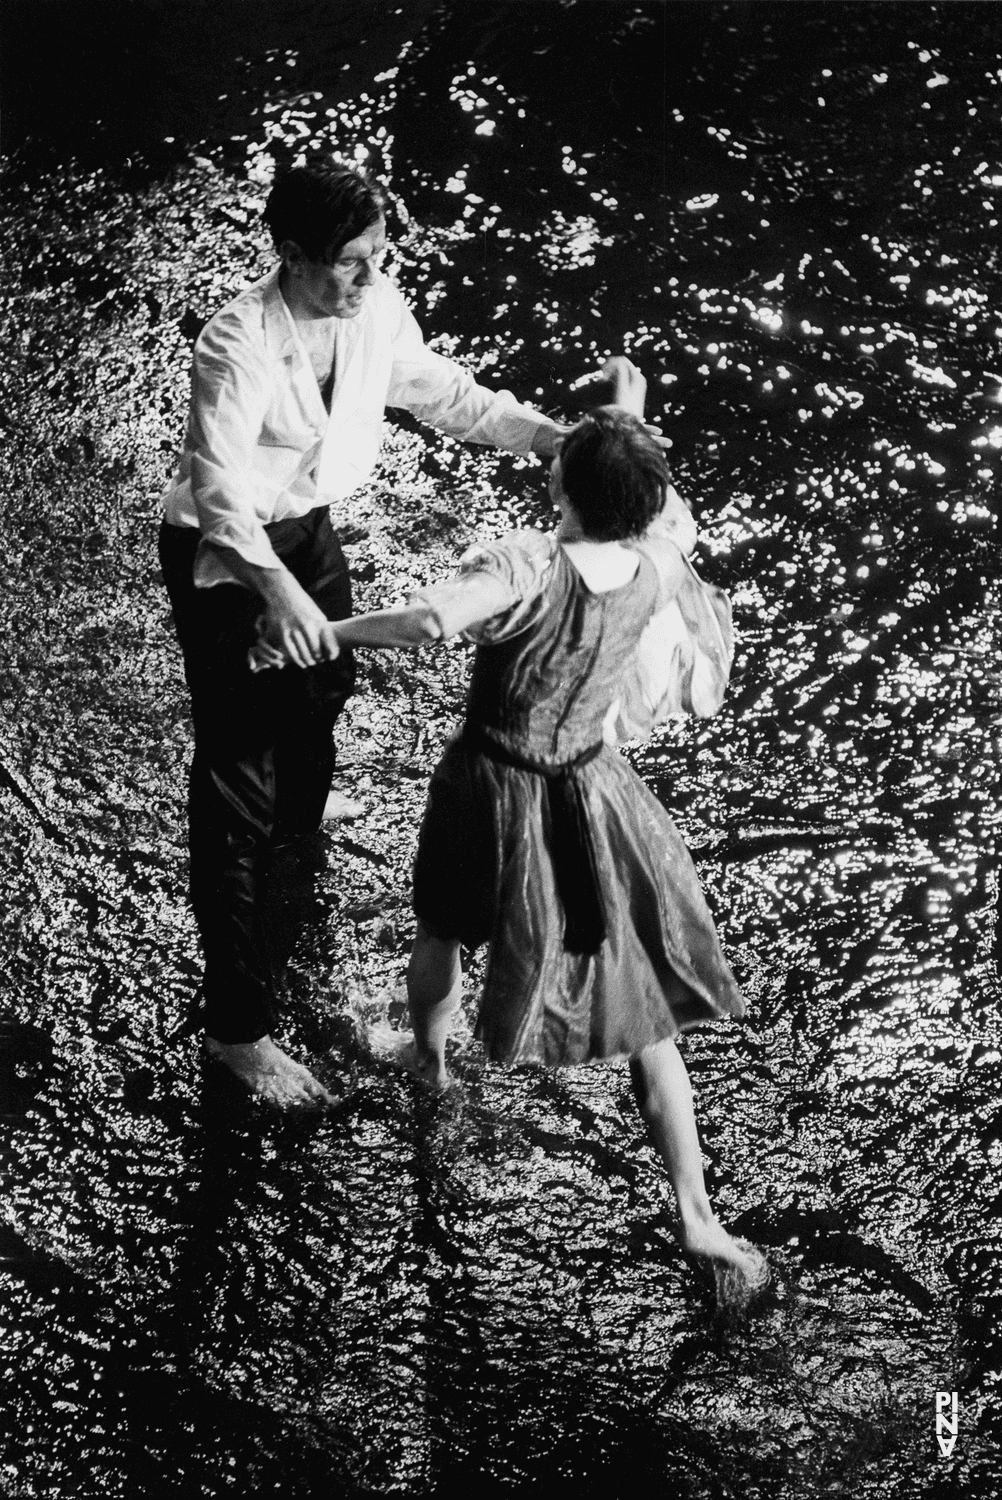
<point>543,681</point>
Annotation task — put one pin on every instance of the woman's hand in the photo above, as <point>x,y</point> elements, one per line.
<point>329,642</point>
<point>261,656</point>
<point>620,383</point>
<point>628,386</point>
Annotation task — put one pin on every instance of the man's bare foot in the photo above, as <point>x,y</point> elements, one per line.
<point>270,1074</point>
<point>401,1049</point>
<point>341,809</point>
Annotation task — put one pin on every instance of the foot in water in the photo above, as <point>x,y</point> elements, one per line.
<point>401,1049</point>
<point>270,1074</point>
<point>740,1270</point>
<point>738,1288</point>
<point>341,809</point>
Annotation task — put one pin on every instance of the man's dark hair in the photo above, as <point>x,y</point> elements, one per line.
<point>321,207</point>
<point>614,474</point>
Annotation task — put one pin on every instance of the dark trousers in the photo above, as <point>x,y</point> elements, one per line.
<point>263,758</point>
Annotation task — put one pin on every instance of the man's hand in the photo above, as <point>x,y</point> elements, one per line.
<point>292,626</point>
<point>292,623</point>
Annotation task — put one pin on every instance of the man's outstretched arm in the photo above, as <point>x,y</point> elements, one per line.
<point>441,392</point>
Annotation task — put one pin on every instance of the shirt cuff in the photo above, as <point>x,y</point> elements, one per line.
<point>211,566</point>
<point>508,424</point>
<point>547,424</point>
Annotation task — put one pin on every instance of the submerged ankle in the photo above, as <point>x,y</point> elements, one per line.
<point>428,1061</point>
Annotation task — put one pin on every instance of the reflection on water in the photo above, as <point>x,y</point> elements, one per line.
<point>789,219</point>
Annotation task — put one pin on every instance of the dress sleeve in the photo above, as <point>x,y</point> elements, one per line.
<point>520,562</point>
<point>684,657</point>
<point>675,523</point>
<point>661,545</point>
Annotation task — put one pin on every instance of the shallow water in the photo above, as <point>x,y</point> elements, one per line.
<point>789,217</point>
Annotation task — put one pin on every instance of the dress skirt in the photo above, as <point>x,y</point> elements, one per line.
<point>484,873</point>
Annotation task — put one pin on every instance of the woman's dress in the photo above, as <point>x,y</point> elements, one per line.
<point>496,864</point>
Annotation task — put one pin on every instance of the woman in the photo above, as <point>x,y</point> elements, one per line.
<point>541,841</point>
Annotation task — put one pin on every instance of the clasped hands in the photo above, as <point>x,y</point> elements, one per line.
<point>291,629</point>
<point>263,654</point>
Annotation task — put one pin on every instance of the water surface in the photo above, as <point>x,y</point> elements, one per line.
<point>788,216</point>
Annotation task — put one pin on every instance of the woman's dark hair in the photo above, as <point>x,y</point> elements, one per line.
<point>614,474</point>
<point>321,207</point>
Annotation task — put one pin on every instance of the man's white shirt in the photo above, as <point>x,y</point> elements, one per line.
<point>260,445</point>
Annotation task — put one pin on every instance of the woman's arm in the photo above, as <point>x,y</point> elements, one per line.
<point>461,604</point>
<point>464,603</point>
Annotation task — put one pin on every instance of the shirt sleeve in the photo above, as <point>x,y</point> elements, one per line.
<point>440,392</point>
<point>520,562</point>
<point>230,392</point>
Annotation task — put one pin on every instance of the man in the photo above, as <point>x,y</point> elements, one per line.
<point>289,385</point>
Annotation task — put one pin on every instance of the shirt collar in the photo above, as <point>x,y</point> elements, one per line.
<point>280,335</point>
<point>278,332</point>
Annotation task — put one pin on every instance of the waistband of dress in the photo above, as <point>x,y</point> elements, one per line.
<point>477,738</point>
<point>572,845</point>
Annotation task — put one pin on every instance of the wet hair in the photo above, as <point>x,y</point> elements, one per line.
<point>321,207</point>
<point>614,474</point>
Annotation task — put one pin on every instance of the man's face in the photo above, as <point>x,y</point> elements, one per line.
<point>337,289</point>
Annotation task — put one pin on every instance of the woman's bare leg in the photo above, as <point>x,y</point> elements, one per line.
<point>434,987</point>
<point>664,1097</point>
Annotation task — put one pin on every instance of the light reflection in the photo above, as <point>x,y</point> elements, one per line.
<point>855,747</point>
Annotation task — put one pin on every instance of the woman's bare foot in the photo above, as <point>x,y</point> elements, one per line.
<point>401,1049</point>
<point>740,1270</point>
<point>270,1074</point>
<point>707,1236</point>
<point>426,1066</point>
<point>738,1289</point>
